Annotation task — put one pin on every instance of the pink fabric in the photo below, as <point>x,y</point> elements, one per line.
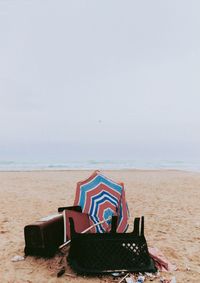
<point>161,262</point>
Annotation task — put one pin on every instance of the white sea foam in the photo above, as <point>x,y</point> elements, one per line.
<point>100,164</point>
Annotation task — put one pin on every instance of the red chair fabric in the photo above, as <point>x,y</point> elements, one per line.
<point>81,222</point>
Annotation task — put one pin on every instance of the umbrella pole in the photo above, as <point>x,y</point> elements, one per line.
<point>85,231</point>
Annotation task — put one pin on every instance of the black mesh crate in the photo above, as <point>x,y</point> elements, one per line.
<point>98,253</point>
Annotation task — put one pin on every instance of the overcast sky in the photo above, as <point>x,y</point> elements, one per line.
<point>99,79</point>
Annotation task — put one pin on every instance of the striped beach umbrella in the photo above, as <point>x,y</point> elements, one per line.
<point>101,198</point>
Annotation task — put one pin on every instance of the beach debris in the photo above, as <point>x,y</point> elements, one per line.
<point>71,275</point>
<point>163,232</point>
<point>164,280</point>
<point>61,272</point>
<point>116,274</point>
<point>130,280</point>
<point>17,258</point>
<point>124,277</point>
<point>152,276</point>
<point>140,279</point>
<point>161,262</point>
<point>173,280</point>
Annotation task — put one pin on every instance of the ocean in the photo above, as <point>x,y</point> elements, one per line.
<point>191,165</point>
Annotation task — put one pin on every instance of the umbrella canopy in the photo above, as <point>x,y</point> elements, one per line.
<point>101,198</point>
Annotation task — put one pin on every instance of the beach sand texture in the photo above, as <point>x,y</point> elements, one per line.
<point>169,200</point>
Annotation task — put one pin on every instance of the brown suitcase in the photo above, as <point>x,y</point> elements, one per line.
<point>43,237</point>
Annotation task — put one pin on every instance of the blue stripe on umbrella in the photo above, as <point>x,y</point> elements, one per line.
<point>98,197</point>
<point>96,204</point>
<point>92,184</point>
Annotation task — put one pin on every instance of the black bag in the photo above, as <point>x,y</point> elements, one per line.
<point>110,252</point>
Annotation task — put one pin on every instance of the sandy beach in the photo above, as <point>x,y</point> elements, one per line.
<point>169,200</point>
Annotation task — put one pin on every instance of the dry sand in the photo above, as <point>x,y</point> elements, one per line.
<point>169,200</point>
